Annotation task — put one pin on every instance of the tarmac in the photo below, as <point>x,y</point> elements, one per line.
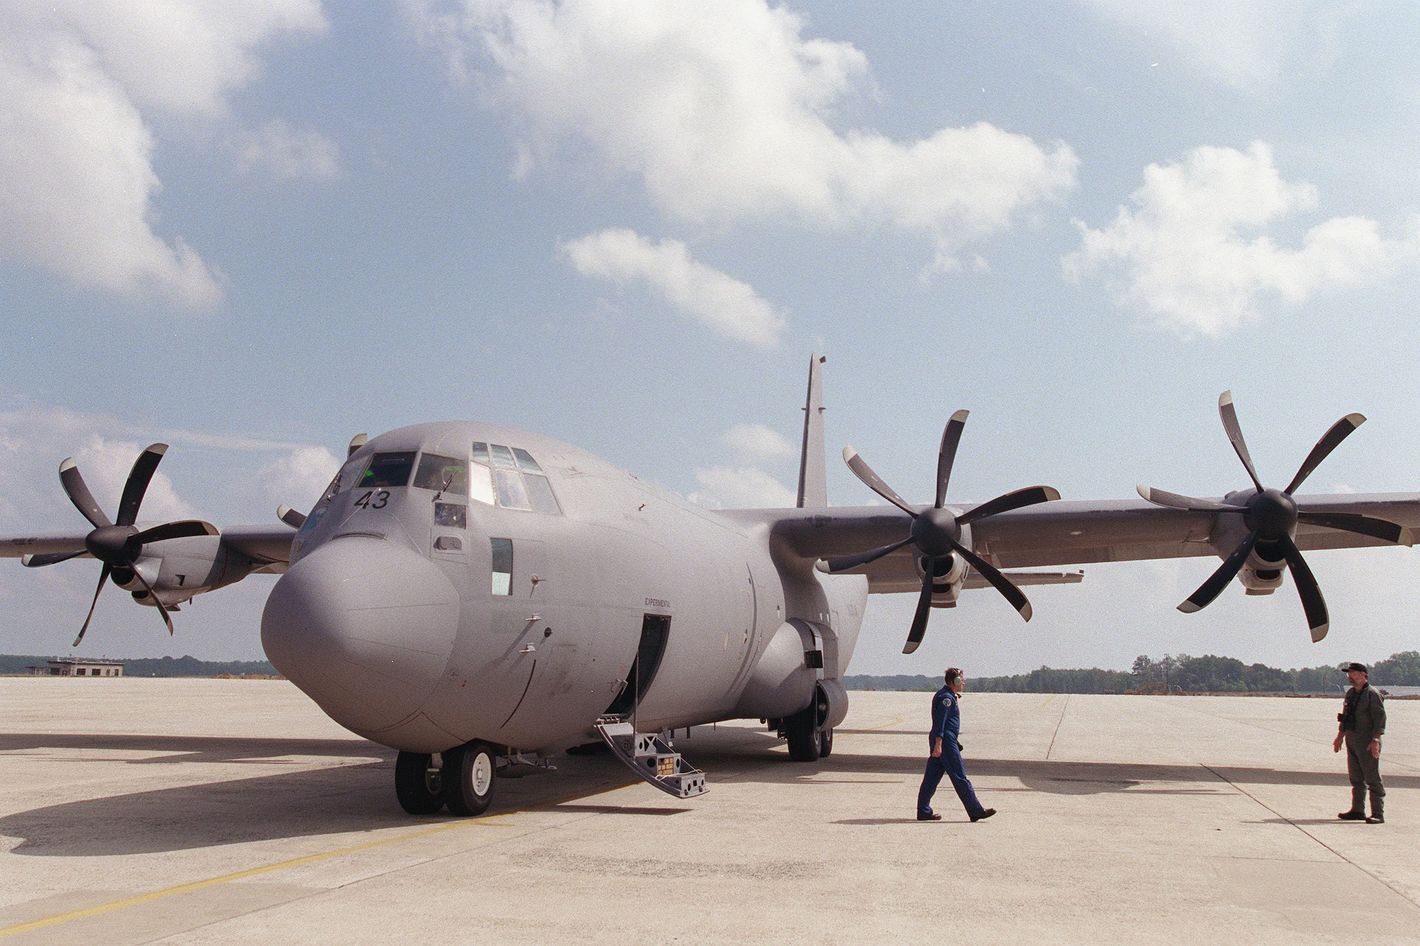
<point>233,811</point>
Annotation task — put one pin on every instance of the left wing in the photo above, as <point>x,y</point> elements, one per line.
<point>161,565</point>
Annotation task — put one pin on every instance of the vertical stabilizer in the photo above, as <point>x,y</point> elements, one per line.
<point>813,476</point>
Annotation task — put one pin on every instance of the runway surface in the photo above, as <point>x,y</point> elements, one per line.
<point>214,811</point>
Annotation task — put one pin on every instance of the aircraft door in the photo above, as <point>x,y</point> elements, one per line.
<point>655,631</point>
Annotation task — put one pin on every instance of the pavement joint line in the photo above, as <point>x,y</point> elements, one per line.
<point>1058,723</point>
<point>152,895</point>
<point>1380,880</point>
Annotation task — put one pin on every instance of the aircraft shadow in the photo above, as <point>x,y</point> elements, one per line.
<point>740,759</point>
<point>357,795</point>
<point>354,795</point>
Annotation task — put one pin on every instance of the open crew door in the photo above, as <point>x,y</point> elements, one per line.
<point>650,755</point>
<point>655,629</point>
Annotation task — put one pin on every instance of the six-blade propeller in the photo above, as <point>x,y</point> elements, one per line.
<point>118,544</point>
<point>1271,518</point>
<point>936,531</point>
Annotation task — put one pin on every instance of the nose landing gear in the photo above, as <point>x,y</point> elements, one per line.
<point>462,780</point>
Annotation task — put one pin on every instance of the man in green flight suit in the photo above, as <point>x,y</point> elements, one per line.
<point>1362,723</point>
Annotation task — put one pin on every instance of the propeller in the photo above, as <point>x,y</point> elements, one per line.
<point>936,531</point>
<point>119,544</point>
<point>1271,517</point>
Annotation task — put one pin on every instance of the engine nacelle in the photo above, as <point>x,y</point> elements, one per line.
<point>948,574</point>
<point>180,569</point>
<point>1261,574</point>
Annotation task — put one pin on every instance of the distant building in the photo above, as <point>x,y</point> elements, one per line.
<point>74,667</point>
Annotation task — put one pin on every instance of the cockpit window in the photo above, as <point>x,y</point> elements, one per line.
<point>511,478</point>
<point>442,473</point>
<point>388,470</point>
<point>346,478</point>
<point>502,456</point>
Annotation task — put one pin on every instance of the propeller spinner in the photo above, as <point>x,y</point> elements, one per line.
<point>936,531</point>
<point>1271,517</point>
<point>119,544</point>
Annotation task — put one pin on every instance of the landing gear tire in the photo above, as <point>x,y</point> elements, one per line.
<point>803,735</point>
<point>468,778</point>
<point>416,785</point>
<point>825,743</point>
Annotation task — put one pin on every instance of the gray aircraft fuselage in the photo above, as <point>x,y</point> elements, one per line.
<point>437,611</point>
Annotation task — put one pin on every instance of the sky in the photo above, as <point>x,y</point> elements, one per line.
<point>253,228</point>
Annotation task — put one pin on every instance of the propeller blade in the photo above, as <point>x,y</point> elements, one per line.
<point>924,607</point>
<point>871,480</point>
<point>182,529</point>
<point>103,580</point>
<point>1339,431</point>
<point>356,442</point>
<point>946,456</point>
<point>51,558</point>
<point>1217,581</point>
<point>1015,499</point>
<point>1308,590</point>
<point>999,581</point>
<point>1162,497</point>
<point>78,492</point>
<point>853,561</point>
<point>137,484</point>
<point>290,516</point>
<point>156,600</point>
<point>1235,437</point>
<point>1362,525</point>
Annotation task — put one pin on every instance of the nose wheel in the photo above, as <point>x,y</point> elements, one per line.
<point>417,784</point>
<point>463,781</point>
<point>467,777</point>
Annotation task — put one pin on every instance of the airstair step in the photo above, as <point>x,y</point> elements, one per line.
<point>652,757</point>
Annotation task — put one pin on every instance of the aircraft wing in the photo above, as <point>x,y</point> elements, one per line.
<point>264,545</point>
<point>1057,533</point>
<point>267,544</point>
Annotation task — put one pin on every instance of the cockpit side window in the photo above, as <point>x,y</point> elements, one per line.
<point>388,470</point>
<point>346,478</point>
<point>502,550</point>
<point>442,473</point>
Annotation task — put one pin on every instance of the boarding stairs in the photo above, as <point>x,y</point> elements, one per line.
<point>652,757</point>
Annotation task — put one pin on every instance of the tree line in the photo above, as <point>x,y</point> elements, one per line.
<point>185,666</point>
<point>1172,673</point>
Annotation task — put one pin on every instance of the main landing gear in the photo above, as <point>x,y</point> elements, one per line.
<point>809,739</point>
<point>461,779</point>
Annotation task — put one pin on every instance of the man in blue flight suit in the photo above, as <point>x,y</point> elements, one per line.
<point>946,753</point>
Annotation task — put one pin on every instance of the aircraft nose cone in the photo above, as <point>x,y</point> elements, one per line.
<point>364,627</point>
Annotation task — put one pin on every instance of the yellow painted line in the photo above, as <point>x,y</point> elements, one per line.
<point>139,899</point>
<point>152,895</point>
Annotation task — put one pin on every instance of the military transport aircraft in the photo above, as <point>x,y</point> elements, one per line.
<point>478,597</point>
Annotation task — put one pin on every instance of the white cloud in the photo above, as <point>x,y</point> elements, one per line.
<point>290,152</point>
<point>76,170</point>
<point>298,478</point>
<point>757,442</point>
<point>1192,255</point>
<point>722,302</point>
<point>724,112</point>
<point>724,487</point>
<point>34,440</point>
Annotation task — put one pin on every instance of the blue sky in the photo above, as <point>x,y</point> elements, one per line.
<point>253,229</point>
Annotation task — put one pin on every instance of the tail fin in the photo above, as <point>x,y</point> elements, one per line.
<point>813,476</point>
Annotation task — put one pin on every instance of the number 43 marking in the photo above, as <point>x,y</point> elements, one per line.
<point>373,499</point>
